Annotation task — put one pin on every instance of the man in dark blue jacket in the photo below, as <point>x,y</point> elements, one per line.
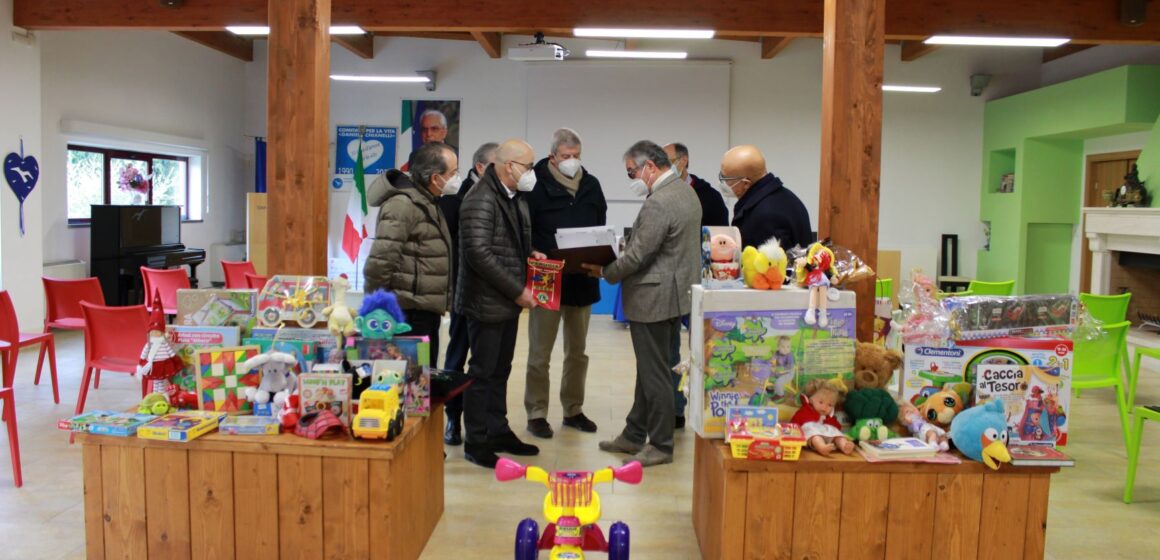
<point>565,196</point>
<point>765,207</point>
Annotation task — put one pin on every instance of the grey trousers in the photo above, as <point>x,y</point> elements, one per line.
<point>652,413</point>
<point>543,326</point>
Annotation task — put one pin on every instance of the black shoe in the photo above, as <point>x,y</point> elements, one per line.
<point>453,433</point>
<point>580,422</point>
<point>540,428</point>
<point>679,424</point>
<point>481,455</point>
<point>511,444</point>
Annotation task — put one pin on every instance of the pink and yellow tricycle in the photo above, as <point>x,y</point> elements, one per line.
<point>572,509</point>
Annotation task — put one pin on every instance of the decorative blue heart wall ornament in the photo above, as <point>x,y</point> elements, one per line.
<point>21,173</point>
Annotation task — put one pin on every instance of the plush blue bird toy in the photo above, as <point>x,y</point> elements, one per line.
<point>980,433</point>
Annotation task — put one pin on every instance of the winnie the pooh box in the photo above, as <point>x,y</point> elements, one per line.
<point>753,348</point>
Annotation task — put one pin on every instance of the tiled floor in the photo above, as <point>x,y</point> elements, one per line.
<point>44,519</point>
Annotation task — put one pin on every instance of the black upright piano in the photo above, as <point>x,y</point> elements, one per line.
<point>125,238</point>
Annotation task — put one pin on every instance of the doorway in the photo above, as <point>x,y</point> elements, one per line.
<point>1104,173</point>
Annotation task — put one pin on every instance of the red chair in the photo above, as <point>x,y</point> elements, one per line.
<point>167,281</point>
<point>10,333</point>
<point>236,273</point>
<point>63,301</point>
<point>114,337</point>
<point>8,397</point>
<point>256,282</point>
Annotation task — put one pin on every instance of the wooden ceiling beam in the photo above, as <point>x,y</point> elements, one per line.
<point>1062,51</point>
<point>1084,21</point>
<point>361,45</point>
<point>490,42</point>
<point>222,41</point>
<point>914,50</point>
<point>770,46</point>
<point>427,35</point>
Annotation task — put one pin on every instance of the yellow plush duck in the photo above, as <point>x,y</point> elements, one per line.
<point>764,267</point>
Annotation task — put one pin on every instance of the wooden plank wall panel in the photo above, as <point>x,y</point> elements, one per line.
<point>712,515</point>
<point>733,514</point>
<point>255,498</point>
<point>958,498</point>
<point>866,499</point>
<point>94,504</point>
<point>167,503</point>
<point>211,504</point>
<point>345,509</point>
<point>817,517</point>
<point>380,490</point>
<point>912,498</point>
<point>700,499</point>
<point>1034,541</point>
<point>123,493</point>
<point>1003,517</point>
<point>769,530</point>
<point>300,506</point>
<point>436,481</point>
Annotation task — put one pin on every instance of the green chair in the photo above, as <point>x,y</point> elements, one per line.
<point>1134,375</point>
<point>1110,309</point>
<point>1097,365</point>
<point>1141,413</point>
<point>980,288</point>
<point>884,288</point>
<point>964,293</point>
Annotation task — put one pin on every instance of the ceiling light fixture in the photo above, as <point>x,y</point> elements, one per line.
<point>262,30</point>
<point>392,79</point>
<point>996,41</point>
<point>644,33</point>
<point>672,55</point>
<point>911,89</point>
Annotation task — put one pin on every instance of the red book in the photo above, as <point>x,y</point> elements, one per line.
<point>1038,456</point>
<point>544,281</point>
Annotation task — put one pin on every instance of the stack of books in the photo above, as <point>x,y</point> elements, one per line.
<point>903,448</point>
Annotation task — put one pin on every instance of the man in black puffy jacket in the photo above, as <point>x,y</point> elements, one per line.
<point>495,241</point>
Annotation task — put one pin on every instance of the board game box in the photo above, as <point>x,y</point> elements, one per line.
<point>221,386</point>
<point>1035,398</point>
<point>250,426</point>
<point>325,391</point>
<point>183,425</point>
<point>325,346</point>
<point>186,341</point>
<point>417,352</point>
<point>215,308</point>
<point>305,350</point>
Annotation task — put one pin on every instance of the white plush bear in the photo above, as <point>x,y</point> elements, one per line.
<point>278,379</point>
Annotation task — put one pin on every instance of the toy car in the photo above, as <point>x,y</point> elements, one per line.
<point>380,414</point>
<point>572,509</point>
<point>295,298</point>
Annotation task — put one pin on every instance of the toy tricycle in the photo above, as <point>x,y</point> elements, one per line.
<point>572,509</point>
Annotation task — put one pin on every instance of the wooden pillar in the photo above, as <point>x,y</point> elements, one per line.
<point>296,131</point>
<point>852,53</point>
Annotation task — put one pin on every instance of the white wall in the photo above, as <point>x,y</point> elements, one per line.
<point>158,84</point>
<point>20,109</point>
<point>931,157</point>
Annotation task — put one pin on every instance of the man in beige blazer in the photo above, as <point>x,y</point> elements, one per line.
<point>658,266</point>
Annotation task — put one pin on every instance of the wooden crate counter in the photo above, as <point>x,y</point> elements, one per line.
<point>846,508</point>
<point>244,497</point>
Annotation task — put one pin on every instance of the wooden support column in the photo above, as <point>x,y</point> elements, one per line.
<point>852,52</point>
<point>296,125</point>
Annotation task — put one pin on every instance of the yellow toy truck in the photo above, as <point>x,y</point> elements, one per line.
<point>380,413</point>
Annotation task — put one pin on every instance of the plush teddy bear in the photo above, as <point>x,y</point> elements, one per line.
<point>874,365</point>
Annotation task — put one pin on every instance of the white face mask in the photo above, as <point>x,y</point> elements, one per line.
<point>527,181</point>
<point>725,190</point>
<point>639,188</point>
<point>569,167</point>
<point>451,187</point>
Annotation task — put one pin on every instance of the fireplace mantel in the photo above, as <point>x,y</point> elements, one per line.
<point>1135,230</point>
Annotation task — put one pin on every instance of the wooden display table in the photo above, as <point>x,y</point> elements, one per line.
<point>844,507</point>
<point>247,497</point>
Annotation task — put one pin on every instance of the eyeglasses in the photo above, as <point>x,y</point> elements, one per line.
<point>525,165</point>
<point>722,178</point>
<point>632,172</point>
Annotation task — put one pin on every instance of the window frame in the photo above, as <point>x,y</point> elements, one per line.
<point>108,154</point>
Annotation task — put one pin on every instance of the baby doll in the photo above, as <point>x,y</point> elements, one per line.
<point>914,421</point>
<point>814,273</point>
<point>816,417</point>
<point>783,365</point>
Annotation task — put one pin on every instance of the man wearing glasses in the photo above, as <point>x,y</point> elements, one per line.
<point>495,239</point>
<point>713,210</point>
<point>765,208</point>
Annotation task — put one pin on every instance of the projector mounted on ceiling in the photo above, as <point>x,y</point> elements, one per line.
<point>539,50</point>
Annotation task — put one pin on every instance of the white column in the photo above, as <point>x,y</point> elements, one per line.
<point>1101,264</point>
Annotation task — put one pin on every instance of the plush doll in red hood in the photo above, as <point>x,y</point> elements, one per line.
<point>820,399</point>
<point>159,363</point>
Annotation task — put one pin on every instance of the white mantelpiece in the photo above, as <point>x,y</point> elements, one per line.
<point>1135,230</point>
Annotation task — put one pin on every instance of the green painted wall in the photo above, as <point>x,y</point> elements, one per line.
<point>1039,136</point>
<point>1149,164</point>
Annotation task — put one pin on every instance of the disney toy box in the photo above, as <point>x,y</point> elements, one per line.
<point>753,348</point>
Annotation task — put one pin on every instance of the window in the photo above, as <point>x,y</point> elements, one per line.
<point>112,176</point>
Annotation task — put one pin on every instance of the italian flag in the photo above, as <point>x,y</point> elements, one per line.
<point>354,231</point>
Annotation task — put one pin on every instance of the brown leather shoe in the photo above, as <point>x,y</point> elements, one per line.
<point>621,445</point>
<point>650,456</point>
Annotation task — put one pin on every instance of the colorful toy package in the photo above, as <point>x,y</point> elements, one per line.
<point>106,423</point>
<point>325,391</point>
<point>721,257</point>
<point>305,350</point>
<point>752,347</point>
<point>1036,396</point>
<point>221,387</point>
<point>215,308</point>
<point>186,341</point>
<point>416,350</point>
<point>250,426</point>
<point>544,280</point>
<point>979,317</point>
<point>183,425</point>
<point>293,298</point>
<point>325,346</point>
<point>753,432</point>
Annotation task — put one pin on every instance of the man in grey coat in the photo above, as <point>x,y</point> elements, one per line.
<point>658,266</point>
